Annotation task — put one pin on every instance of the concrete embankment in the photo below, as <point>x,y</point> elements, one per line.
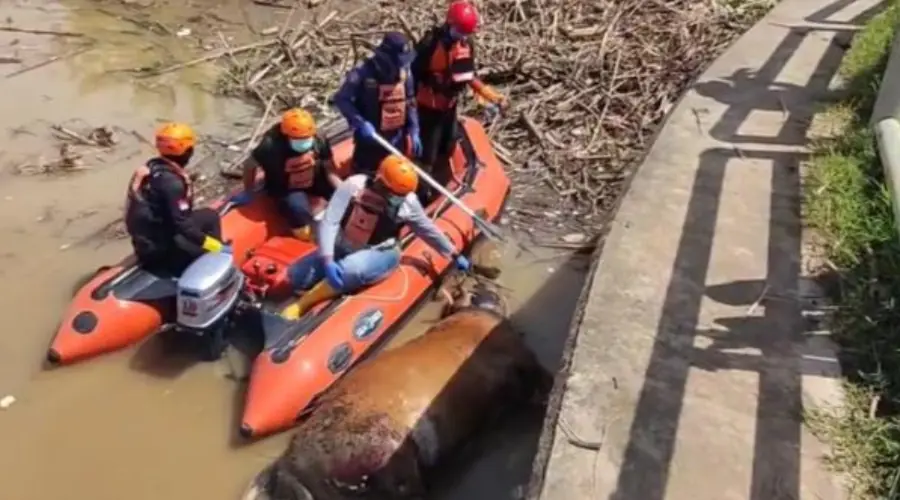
<point>688,372</point>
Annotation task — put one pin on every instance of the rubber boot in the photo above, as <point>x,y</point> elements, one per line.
<point>322,291</point>
<point>303,233</point>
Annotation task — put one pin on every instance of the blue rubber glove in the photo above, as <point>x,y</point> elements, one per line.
<point>367,130</point>
<point>241,198</point>
<point>416,145</point>
<point>462,263</point>
<point>334,275</point>
<point>491,112</point>
<point>227,249</point>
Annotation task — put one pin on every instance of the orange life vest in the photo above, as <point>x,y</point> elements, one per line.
<point>301,170</point>
<point>369,221</point>
<point>392,101</point>
<point>139,178</point>
<point>447,70</point>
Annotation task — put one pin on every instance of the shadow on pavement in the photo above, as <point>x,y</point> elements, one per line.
<point>770,335</point>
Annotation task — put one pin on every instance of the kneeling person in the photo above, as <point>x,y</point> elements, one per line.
<point>166,232</point>
<point>357,238</point>
<point>296,164</point>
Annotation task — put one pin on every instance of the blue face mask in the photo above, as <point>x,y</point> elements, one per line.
<point>302,145</point>
<point>456,35</point>
<point>395,201</point>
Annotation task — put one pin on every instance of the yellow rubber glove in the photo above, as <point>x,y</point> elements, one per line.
<point>212,244</point>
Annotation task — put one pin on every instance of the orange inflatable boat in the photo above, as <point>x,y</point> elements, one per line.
<point>125,304</point>
<point>308,357</point>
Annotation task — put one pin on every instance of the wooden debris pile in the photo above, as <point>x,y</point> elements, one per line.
<point>588,81</point>
<point>71,149</point>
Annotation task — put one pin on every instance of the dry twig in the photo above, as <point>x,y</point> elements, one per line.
<point>69,34</point>
<point>588,81</point>
<point>50,60</point>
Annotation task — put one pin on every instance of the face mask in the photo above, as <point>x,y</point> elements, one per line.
<point>301,145</point>
<point>456,35</point>
<point>395,201</point>
<point>388,67</point>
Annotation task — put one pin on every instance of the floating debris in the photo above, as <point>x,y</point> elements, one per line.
<point>7,401</point>
<point>588,82</point>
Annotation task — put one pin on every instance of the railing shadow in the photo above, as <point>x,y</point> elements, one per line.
<point>775,328</point>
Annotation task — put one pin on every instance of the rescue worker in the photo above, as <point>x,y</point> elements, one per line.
<point>166,232</point>
<point>377,98</point>
<point>443,68</point>
<point>357,238</point>
<point>296,164</point>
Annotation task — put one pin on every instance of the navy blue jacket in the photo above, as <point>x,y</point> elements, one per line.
<point>358,102</point>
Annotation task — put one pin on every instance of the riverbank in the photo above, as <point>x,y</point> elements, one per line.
<point>688,375</point>
<point>848,204</point>
<point>151,421</point>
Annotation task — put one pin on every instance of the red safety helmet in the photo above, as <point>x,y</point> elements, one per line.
<point>463,16</point>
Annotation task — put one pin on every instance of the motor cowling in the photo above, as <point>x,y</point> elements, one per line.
<point>208,291</point>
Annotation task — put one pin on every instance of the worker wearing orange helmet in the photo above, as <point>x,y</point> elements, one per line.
<point>357,238</point>
<point>443,68</point>
<point>166,232</point>
<point>296,164</point>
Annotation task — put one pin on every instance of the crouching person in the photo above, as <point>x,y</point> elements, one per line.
<point>297,164</point>
<point>358,237</point>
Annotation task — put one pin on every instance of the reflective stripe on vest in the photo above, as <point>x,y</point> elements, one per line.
<point>368,209</point>
<point>301,170</point>
<point>446,68</point>
<point>392,101</point>
<point>142,174</point>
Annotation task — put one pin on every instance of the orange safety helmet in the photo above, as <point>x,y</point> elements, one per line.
<point>174,139</point>
<point>297,123</point>
<point>397,175</point>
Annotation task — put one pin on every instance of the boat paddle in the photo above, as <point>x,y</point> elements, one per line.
<point>489,229</point>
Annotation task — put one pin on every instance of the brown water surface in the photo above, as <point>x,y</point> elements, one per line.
<point>135,424</point>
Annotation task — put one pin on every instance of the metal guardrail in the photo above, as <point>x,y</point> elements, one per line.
<point>885,122</point>
<point>887,135</point>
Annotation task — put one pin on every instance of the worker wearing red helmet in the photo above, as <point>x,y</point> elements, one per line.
<point>443,68</point>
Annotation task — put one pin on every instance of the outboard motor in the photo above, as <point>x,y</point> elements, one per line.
<point>208,292</point>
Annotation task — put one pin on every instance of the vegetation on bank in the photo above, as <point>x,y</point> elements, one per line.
<point>849,205</point>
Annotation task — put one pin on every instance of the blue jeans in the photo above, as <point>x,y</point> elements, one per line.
<point>361,268</point>
<point>296,209</point>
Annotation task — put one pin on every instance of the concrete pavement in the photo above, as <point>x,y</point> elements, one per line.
<point>692,363</point>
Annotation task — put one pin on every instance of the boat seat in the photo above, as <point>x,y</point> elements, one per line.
<point>141,284</point>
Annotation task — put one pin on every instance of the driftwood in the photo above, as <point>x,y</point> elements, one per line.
<point>70,34</point>
<point>588,82</point>
<point>51,60</point>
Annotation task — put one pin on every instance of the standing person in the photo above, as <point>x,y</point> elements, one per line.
<point>377,98</point>
<point>297,164</point>
<point>357,238</point>
<point>166,232</point>
<point>443,68</point>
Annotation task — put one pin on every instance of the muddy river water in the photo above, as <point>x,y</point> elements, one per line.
<point>145,424</point>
